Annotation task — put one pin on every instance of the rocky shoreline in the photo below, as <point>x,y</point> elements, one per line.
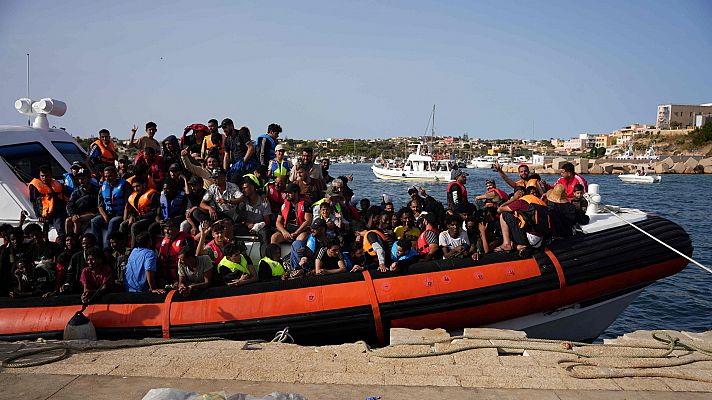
<point>603,166</point>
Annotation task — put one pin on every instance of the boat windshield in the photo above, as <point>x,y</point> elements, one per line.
<point>70,151</point>
<point>25,160</point>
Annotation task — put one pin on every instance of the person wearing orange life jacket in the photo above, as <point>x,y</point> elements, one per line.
<point>215,143</point>
<point>456,191</point>
<point>102,152</point>
<point>49,198</point>
<point>523,171</point>
<point>141,210</point>
<point>154,165</point>
<point>294,219</point>
<point>524,221</point>
<point>375,246</point>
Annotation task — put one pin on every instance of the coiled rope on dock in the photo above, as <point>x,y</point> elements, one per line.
<point>639,363</point>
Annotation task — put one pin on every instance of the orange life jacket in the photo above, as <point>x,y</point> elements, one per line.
<point>107,157</point>
<point>536,218</point>
<point>423,247</point>
<point>150,183</point>
<point>208,144</point>
<point>50,195</point>
<point>143,204</point>
<point>368,246</point>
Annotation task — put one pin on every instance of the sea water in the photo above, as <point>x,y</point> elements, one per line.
<point>680,302</point>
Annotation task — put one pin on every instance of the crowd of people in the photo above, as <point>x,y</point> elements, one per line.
<point>178,215</point>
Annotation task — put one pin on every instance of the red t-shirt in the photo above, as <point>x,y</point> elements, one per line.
<point>569,185</point>
<point>94,279</point>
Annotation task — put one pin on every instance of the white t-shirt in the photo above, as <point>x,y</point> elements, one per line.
<point>447,240</point>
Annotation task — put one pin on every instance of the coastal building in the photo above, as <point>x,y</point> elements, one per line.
<point>680,115</point>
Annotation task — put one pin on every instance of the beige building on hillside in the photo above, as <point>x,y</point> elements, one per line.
<point>680,115</point>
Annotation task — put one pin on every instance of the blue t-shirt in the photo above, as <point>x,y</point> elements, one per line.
<point>140,261</point>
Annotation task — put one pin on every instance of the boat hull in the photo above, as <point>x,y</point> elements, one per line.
<point>632,178</point>
<point>581,281</point>
<point>403,175</point>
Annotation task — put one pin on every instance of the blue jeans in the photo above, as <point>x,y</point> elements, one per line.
<point>101,231</point>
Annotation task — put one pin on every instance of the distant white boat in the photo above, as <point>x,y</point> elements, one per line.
<point>482,162</point>
<point>418,166</point>
<point>634,178</point>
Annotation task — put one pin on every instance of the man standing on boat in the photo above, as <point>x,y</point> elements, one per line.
<point>456,191</point>
<point>239,158</point>
<point>267,144</point>
<point>102,152</point>
<point>569,178</point>
<point>523,171</point>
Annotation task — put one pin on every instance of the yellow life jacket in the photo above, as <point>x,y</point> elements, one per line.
<point>276,267</point>
<point>233,266</point>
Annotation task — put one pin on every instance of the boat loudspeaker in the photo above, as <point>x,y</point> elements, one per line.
<point>40,110</point>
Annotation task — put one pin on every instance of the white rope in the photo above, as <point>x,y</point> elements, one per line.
<point>656,239</point>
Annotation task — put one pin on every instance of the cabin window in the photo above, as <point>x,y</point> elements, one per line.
<point>26,159</point>
<point>70,151</point>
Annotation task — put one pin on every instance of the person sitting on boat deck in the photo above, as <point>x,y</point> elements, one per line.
<point>220,200</point>
<point>333,197</point>
<point>335,225</point>
<point>456,191</point>
<point>177,173</point>
<point>303,253</point>
<point>581,205</point>
<point>32,280</point>
<point>329,259</point>
<point>535,186</point>
<point>49,199</point>
<point>140,275</point>
<point>102,152</point>
<point>274,192</point>
<point>194,272</point>
<point>173,201</point>
<point>454,242</point>
<point>258,177</point>
<point>493,197</point>
<point>270,266</point>
<point>569,178</point>
<point>384,226</point>
<point>193,136</point>
<point>211,164</point>
<point>147,141</point>
<point>73,271</point>
<point>375,247</point>
<point>124,169</point>
<point>141,172</point>
<point>255,214</point>
<point>267,143</point>
<point>170,151</point>
<point>234,268</point>
<point>312,169</point>
<point>172,242</point>
<point>239,157</point>
<point>70,248</point>
<point>310,189</point>
<point>97,275</point>
<point>154,165</point>
<point>427,246</point>
<point>116,256</point>
<point>213,248</point>
<point>82,205</point>
<point>194,197</point>
<point>15,250</point>
<point>294,218</point>
<point>403,255</point>
<point>428,204</point>
<point>524,221</point>
<point>142,210</point>
<point>279,166</point>
<point>406,228</point>
<point>113,197</point>
<point>71,181</point>
<point>40,247</point>
<point>562,214</point>
<point>365,205</point>
<point>325,163</point>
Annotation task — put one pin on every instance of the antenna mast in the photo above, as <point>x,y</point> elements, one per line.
<point>28,84</point>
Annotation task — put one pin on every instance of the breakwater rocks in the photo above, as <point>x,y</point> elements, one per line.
<point>600,166</point>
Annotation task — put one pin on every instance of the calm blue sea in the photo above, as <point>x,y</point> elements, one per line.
<point>679,302</point>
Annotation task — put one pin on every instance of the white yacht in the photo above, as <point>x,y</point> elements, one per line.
<point>418,166</point>
<point>482,162</point>
<point>23,149</point>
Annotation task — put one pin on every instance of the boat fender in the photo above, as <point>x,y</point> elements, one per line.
<point>79,328</point>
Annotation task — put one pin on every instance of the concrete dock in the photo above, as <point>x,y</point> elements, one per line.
<point>496,368</point>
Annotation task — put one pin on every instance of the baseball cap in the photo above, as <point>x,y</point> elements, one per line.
<point>280,147</point>
<point>318,223</point>
<point>461,172</point>
<point>217,172</point>
<point>77,165</point>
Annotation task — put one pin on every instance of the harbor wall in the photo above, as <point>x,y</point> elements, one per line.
<point>600,166</point>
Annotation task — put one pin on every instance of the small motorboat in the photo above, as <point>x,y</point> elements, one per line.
<point>635,178</point>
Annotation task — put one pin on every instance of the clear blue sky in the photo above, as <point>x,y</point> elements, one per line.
<point>359,68</point>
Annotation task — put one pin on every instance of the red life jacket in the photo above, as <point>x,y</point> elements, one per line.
<point>500,193</point>
<point>300,211</point>
<point>217,251</point>
<point>423,247</point>
<point>462,189</point>
<point>168,253</point>
<point>275,197</point>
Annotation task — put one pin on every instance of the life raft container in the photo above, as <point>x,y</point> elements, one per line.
<point>584,270</point>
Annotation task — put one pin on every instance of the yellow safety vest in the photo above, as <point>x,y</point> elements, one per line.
<point>233,266</point>
<point>276,267</point>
